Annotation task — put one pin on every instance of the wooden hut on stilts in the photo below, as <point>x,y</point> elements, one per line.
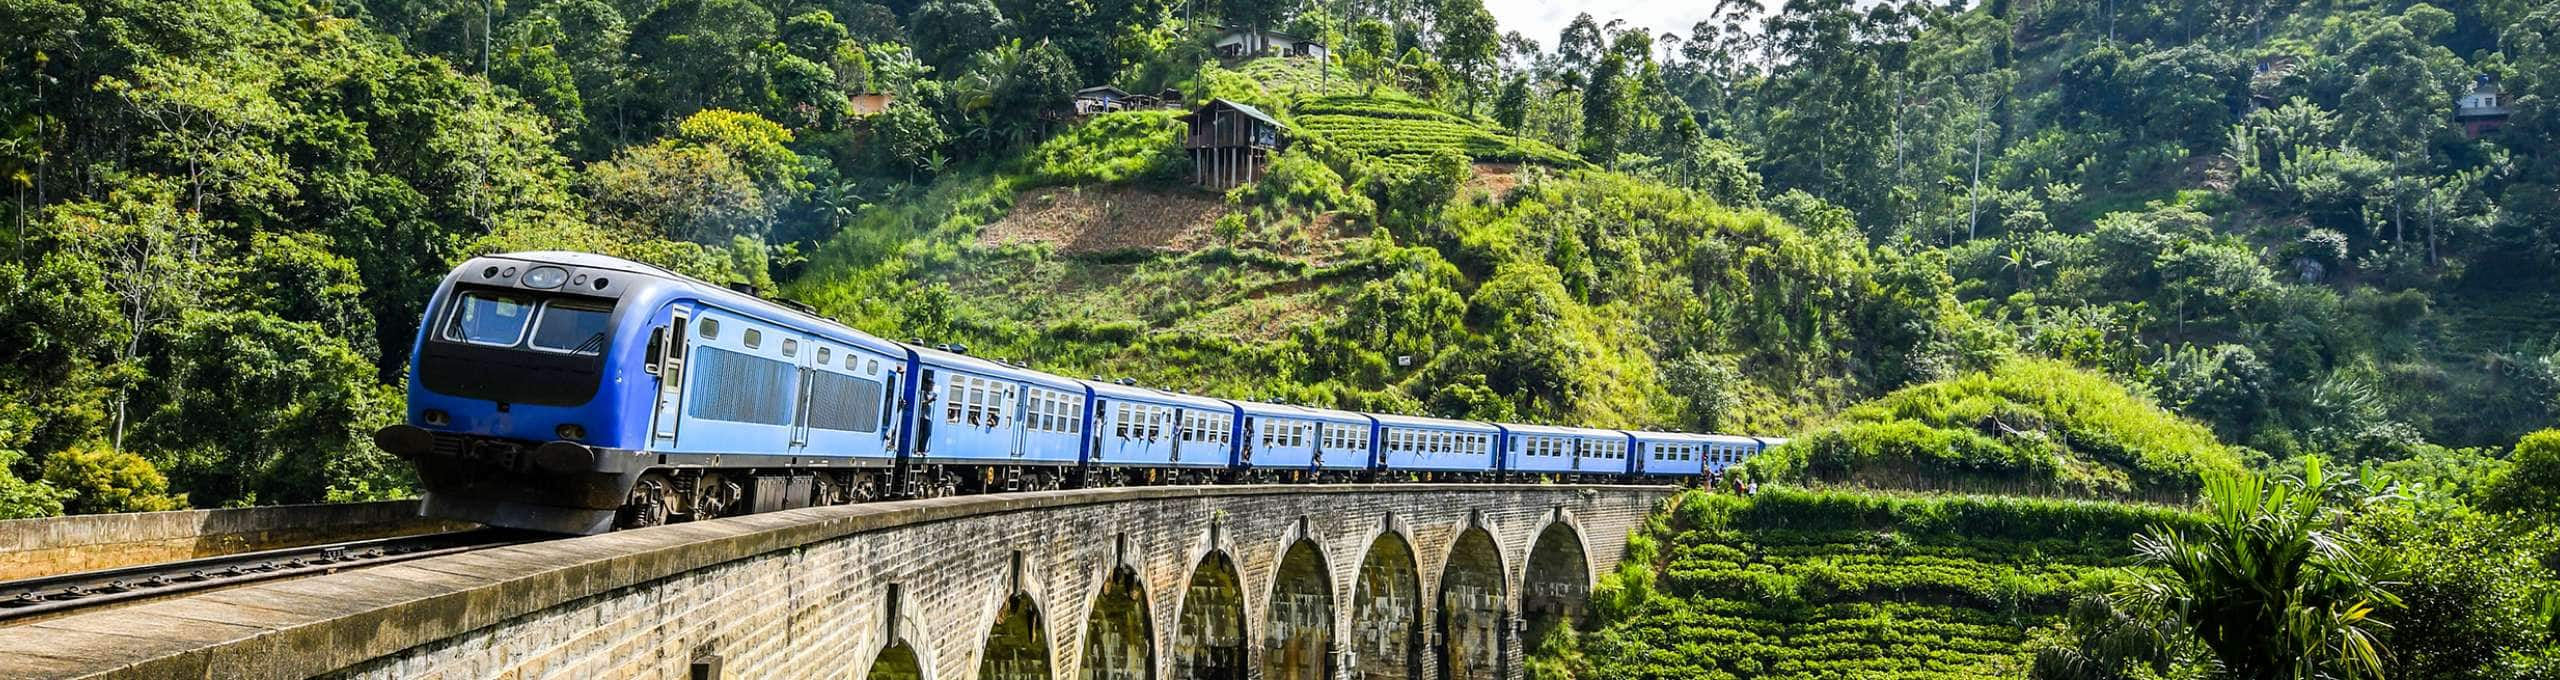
<point>1230,144</point>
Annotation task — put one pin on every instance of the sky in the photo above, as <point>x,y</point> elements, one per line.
<point>1541,20</point>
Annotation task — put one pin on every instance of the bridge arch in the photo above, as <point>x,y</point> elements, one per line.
<point>1119,636</point>
<point>898,661</point>
<point>1386,622</point>
<point>1210,634</point>
<point>1474,616</point>
<point>1018,644</point>
<point>1297,640</point>
<point>1555,582</point>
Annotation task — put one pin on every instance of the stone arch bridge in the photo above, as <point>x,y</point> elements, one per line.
<point>1360,582</point>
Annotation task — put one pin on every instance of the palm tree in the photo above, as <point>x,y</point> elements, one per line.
<point>2271,584</point>
<point>839,200</point>
<point>2024,263</point>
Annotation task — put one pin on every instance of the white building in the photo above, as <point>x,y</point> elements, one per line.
<point>1241,43</point>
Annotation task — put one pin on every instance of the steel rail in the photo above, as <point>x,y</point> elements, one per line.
<point>47,594</point>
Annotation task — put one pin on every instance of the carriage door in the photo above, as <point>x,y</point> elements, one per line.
<point>805,359</point>
<point>1015,404</point>
<point>671,374</point>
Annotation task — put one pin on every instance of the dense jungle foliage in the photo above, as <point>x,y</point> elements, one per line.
<point>2067,248</point>
<point>2262,216</point>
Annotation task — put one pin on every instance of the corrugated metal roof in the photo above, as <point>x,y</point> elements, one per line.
<point>1240,107</point>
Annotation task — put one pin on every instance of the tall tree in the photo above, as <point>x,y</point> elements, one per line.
<point>1578,50</point>
<point>948,32</point>
<point>1605,110</point>
<point>703,53</point>
<point>1470,44</point>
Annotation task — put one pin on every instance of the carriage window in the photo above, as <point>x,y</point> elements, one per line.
<point>951,399</point>
<point>489,319</point>
<point>572,327</point>
<point>822,357</point>
<point>755,338</point>
<point>710,329</point>
<point>790,348</point>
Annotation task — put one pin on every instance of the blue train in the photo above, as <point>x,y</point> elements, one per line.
<point>579,393</point>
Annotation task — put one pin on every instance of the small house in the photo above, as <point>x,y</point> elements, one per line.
<point>2482,110</point>
<point>871,103</point>
<point>1237,42</point>
<point>1230,143</point>
<point>1100,99</point>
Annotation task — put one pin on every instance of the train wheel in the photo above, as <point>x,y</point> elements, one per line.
<point>647,504</point>
<point>823,490</point>
<point>865,488</point>
<point>714,496</point>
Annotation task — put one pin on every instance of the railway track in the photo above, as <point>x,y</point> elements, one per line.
<point>24,598</point>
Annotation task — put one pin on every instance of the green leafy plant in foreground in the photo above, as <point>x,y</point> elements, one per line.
<point>2270,585</point>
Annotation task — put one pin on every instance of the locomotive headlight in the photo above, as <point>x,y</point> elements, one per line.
<point>545,277</point>
<point>570,431</point>
<point>437,418</point>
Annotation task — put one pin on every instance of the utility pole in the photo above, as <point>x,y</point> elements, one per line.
<point>1973,194</point>
<point>488,25</point>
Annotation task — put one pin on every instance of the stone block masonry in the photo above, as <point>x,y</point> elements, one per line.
<point>920,589</point>
<point>60,545</point>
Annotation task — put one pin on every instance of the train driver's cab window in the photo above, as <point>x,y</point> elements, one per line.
<point>482,318</point>
<point>572,327</point>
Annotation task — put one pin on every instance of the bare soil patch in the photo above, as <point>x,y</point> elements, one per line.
<point>1495,179</point>
<point>1095,220</point>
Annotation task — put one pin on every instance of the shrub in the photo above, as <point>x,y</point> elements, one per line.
<point>102,479</point>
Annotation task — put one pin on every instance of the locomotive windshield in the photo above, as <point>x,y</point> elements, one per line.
<point>482,318</point>
<point>573,327</point>
<point>518,347</point>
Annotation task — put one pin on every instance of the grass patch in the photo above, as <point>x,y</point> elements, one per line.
<point>2029,426</point>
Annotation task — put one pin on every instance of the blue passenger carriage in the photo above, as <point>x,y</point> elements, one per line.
<point>1552,451</point>
<point>1725,451</point>
<point>1142,434</point>
<point>1671,454</point>
<point>1284,443</point>
<point>1409,447</point>
<point>987,425</point>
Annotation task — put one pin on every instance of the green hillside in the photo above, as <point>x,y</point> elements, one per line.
<point>1796,584</point>
<point>2027,426</point>
<point>1373,267</point>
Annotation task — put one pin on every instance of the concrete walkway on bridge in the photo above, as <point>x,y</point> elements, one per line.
<point>1270,582</point>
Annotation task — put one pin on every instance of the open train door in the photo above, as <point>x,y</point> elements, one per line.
<point>670,358</point>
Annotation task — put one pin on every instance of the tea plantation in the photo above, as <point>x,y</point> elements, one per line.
<point>1811,584</point>
<point>1404,131</point>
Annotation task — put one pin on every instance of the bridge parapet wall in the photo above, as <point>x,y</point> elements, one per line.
<point>60,545</point>
<point>823,592</point>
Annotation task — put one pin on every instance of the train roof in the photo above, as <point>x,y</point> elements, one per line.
<point>992,367</point>
<point>1392,420</point>
<point>1293,411</point>
<point>1646,435</point>
<point>1562,431</point>
<point>708,291</point>
<point>1140,392</point>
